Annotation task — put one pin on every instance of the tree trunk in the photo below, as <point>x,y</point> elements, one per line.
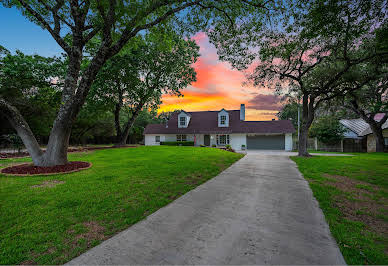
<point>75,91</point>
<point>131,121</point>
<point>302,145</point>
<point>73,97</point>
<point>117,122</point>
<point>307,119</point>
<point>20,125</point>
<point>56,152</point>
<point>376,127</point>
<point>378,134</point>
<point>117,114</point>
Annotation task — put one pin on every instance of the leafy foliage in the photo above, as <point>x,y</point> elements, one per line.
<point>32,83</point>
<point>107,27</point>
<point>177,143</point>
<point>159,63</point>
<point>310,51</point>
<point>327,129</point>
<point>289,111</point>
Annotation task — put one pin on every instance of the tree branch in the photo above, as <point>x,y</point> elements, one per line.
<point>46,25</point>
<point>128,33</point>
<point>17,121</point>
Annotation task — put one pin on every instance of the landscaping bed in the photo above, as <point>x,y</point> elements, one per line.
<point>8,155</point>
<point>353,194</point>
<point>50,219</point>
<point>30,169</point>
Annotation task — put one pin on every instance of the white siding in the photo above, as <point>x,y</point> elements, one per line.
<point>288,142</point>
<point>199,139</point>
<point>149,139</point>
<point>172,137</point>
<point>237,140</point>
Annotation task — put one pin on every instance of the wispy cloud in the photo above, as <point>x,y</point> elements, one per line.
<point>265,102</point>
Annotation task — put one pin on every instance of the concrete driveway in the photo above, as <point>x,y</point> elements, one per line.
<point>258,211</point>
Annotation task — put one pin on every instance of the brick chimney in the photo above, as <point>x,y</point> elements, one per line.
<point>242,112</point>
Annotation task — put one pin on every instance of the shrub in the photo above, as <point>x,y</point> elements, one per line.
<point>229,148</point>
<point>202,145</point>
<point>14,140</point>
<point>214,145</point>
<point>177,143</point>
<point>327,129</point>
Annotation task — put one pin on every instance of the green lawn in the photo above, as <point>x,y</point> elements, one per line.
<point>51,225</point>
<point>353,194</point>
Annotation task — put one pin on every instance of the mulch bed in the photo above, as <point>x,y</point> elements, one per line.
<point>29,169</point>
<point>9,155</point>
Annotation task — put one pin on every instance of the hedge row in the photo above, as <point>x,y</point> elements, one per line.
<point>177,143</point>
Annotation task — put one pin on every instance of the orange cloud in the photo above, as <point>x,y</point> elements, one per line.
<point>219,86</point>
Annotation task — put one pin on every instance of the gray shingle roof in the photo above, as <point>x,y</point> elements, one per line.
<point>369,131</point>
<point>356,125</point>
<point>206,123</point>
<point>359,126</point>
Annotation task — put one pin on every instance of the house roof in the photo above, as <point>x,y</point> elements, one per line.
<point>369,131</point>
<point>207,122</point>
<point>358,125</point>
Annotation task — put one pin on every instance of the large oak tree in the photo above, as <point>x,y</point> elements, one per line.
<point>74,23</point>
<point>308,51</point>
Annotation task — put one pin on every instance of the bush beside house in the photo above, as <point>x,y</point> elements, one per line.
<point>177,143</point>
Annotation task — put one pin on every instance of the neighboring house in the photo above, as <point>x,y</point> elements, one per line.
<point>221,128</point>
<point>358,131</point>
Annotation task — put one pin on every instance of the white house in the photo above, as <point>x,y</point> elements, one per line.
<point>221,128</point>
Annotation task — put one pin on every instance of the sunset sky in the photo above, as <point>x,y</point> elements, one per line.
<point>217,85</point>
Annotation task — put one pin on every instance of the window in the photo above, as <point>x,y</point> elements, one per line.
<point>181,138</point>
<point>386,141</point>
<point>157,138</point>
<point>223,119</point>
<point>182,121</point>
<point>222,139</point>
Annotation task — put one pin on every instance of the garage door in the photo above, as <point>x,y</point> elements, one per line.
<point>265,142</point>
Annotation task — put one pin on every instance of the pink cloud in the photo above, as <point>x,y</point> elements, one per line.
<point>265,102</point>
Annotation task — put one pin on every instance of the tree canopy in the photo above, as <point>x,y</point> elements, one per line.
<point>310,51</point>
<point>159,63</point>
<point>74,25</point>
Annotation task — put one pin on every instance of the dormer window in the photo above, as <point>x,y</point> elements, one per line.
<point>223,119</point>
<point>182,121</point>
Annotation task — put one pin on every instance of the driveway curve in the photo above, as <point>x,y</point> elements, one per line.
<point>258,211</point>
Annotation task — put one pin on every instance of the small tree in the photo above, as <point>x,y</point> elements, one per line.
<point>327,129</point>
<point>289,111</point>
<point>158,64</point>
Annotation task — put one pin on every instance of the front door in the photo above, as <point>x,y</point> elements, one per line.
<point>206,140</point>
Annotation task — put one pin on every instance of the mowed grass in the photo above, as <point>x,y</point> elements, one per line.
<point>71,213</point>
<point>353,194</point>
